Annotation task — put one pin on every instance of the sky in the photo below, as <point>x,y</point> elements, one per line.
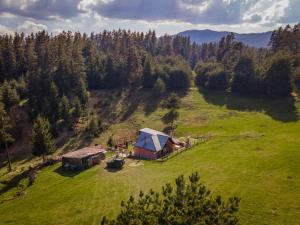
<point>164,16</point>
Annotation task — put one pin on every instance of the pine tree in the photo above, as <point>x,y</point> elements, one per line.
<point>172,103</point>
<point>9,95</point>
<point>94,127</point>
<point>148,76</point>
<point>159,87</point>
<point>42,142</point>
<point>187,202</point>
<point>5,136</point>
<point>77,108</point>
<point>64,109</point>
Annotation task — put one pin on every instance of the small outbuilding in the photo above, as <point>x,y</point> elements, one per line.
<point>83,158</point>
<point>152,144</point>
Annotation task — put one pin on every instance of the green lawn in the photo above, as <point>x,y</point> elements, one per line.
<point>253,152</point>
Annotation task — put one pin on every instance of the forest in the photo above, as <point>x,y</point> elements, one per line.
<point>50,76</point>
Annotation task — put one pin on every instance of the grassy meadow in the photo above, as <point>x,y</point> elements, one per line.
<point>252,151</point>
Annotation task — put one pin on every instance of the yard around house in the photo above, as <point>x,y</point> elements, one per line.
<point>252,151</point>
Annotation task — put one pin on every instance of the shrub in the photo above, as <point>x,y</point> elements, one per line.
<point>202,71</point>
<point>278,77</point>
<point>159,87</point>
<point>179,78</point>
<point>217,80</point>
<point>245,81</point>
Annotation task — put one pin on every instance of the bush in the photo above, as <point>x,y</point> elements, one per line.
<point>217,80</point>
<point>202,71</point>
<point>95,127</point>
<point>278,77</point>
<point>159,87</point>
<point>179,78</point>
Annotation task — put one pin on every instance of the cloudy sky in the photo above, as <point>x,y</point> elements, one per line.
<point>165,16</point>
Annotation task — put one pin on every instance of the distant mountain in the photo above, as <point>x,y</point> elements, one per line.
<point>252,39</point>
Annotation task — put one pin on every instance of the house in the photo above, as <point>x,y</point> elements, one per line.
<point>83,158</point>
<point>152,144</point>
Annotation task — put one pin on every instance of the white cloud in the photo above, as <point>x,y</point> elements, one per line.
<point>165,16</point>
<point>5,30</point>
<point>31,27</point>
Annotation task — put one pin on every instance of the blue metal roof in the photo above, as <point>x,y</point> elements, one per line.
<point>151,140</point>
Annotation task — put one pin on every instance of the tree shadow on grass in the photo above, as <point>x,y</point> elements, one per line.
<point>67,173</point>
<point>152,102</point>
<point>13,182</point>
<point>281,109</point>
<point>112,170</point>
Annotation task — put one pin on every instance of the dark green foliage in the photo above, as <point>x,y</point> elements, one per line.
<point>188,202</point>
<point>245,81</point>
<point>171,116</point>
<point>110,142</point>
<point>211,75</point>
<point>64,109</point>
<point>42,143</point>
<point>159,87</point>
<point>149,77</point>
<point>94,127</point>
<point>172,102</point>
<point>217,80</point>
<point>5,135</point>
<point>297,77</point>
<point>202,70</point>
<point>278,77</point>
<point>43,68</point>
<point>78,111</point>
<point>179,79</point>
<point>9,95</point>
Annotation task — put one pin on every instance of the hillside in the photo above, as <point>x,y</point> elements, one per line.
<point>252,151</point>
<point>259,40</point>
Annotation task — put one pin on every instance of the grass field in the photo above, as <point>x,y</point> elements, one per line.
<point>253,152</point>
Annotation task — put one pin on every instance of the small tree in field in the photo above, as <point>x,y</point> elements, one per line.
<point>5,136</point>
<point>94,127</point>
<point>159,87</point>
<point>42,143</point>
<point>188,203</point>
<point>172,103</point>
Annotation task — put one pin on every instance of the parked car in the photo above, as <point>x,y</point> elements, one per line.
<point>116,163</point>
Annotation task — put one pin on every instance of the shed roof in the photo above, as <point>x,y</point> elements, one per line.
<point>84,152</point>
<point>151,140</point>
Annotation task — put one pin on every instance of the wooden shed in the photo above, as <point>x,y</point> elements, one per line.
<point>83,158</point>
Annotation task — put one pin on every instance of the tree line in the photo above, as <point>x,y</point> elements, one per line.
<point>50,76</point>
<point>274,72</point>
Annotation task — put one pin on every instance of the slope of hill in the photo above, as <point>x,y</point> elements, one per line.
<point>252,39</point>
<point>252,152</point>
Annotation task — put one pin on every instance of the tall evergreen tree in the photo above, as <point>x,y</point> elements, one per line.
<point>9,95</point>
<point>148,76</point>
<point>42,140</point>
<point>5,136</point>
<point>64,109</point>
